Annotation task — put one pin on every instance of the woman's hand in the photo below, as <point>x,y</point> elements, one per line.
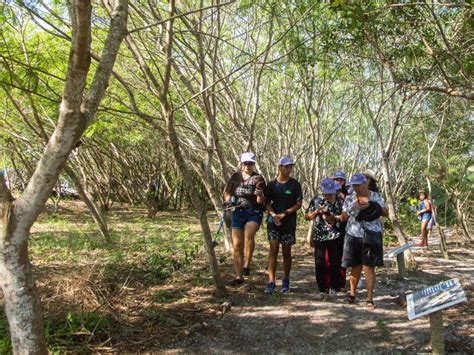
<point>330,218</point>
<point>258,191</point>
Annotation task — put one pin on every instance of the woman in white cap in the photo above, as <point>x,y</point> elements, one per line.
<point>284,198</point>
<point>371,180</point>
<point>245,190</point>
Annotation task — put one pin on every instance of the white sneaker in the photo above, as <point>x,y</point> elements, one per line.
<point>332,293</point>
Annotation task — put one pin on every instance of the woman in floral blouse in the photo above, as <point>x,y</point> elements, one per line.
<point>325,234</point>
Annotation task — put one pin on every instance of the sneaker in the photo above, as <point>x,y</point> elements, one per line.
<point>285,286</point>
<point>246,271</point>
<point>321,296</point>
<point>270,288</point>
<point>236,282</point>
<point>332,293</point>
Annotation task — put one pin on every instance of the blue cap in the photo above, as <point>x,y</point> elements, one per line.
<point>286,161</point>
<point>248,157</point>
<point>357,179</point>
<point>339,175</point>
<point>328,186</point>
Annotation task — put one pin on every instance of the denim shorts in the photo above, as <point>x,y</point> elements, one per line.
<point>426,216</point>
<point>241,216</point>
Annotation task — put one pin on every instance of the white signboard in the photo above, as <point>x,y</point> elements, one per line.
<point>434,298</point>
<point>399,250</point>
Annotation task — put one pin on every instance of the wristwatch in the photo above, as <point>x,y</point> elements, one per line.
<point>273,214</point>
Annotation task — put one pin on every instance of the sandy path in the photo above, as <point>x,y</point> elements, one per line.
<point>298,323</point>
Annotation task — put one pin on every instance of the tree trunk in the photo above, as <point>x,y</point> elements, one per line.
<point>442,237</point>
<point>461,220</point>
<point>22,304</point>
<point>410,260</point>
<point>91,205</point>
<point>198,205</point>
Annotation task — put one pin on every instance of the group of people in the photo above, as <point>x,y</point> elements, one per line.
<point>346,226</point>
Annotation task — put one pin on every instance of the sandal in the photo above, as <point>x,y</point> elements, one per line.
<point>349,299</point>
<point>369,305</point>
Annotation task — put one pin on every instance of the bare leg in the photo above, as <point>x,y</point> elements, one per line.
<point>287,260</point>
<point>370,281</point>
<point>238,244</point>
<point>249,235</point>
<point>272,259</point>
<point>354,279</point>
<point>424,232</point>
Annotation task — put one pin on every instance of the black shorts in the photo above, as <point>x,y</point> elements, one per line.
<point>283,238</point>
<point>363,251</point>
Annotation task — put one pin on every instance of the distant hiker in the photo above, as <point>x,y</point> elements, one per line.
<point>245,189</point>
<point>425,216</point>
<point>152,200</point>
<point>326,210</point>
<point>342,192</point>
<point>283,198</point>
<point>363,245</point>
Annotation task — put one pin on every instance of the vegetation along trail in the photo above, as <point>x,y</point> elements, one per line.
<point>128,127</point>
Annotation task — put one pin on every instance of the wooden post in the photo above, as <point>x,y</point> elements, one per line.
<point>437,332</point>
<point>401,265</point>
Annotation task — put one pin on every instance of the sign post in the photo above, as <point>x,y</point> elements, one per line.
<point>431,301</point>
<point>399,253</point>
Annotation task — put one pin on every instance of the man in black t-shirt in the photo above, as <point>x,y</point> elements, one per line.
<point>283,198</point>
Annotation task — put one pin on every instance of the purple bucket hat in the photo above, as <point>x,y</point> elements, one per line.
<point>357,179</point>
<point>328,186</point>
<point>285,160</point>
<point>339,175</point>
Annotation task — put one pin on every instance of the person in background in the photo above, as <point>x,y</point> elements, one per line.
<point>342,192</point>
<point>325,210</point>
<point>371,180</point>
<point>425,216</point>
<point>283,199</point>
<point>340,178</point>
<point>246,191</point>
<point>363,245</point>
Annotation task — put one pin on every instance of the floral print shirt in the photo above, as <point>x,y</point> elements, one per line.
<point>354,228</point>
<point>324,230</point>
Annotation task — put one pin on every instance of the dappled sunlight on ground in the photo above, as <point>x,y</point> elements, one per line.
<point>151,291</point>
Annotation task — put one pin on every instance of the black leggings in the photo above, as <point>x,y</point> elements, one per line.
<point>334,248</point>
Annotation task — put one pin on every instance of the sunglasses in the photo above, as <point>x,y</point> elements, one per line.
<point>287,166</point>
<point>248,163</point>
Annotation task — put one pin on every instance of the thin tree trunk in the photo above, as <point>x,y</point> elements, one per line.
<point>442,237</point>
<point>198,205</point>
<point>91,205</point>
<point>410,260</point>
<point>462,220</point>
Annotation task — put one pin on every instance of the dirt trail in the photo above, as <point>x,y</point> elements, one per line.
<point>298,323</point>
